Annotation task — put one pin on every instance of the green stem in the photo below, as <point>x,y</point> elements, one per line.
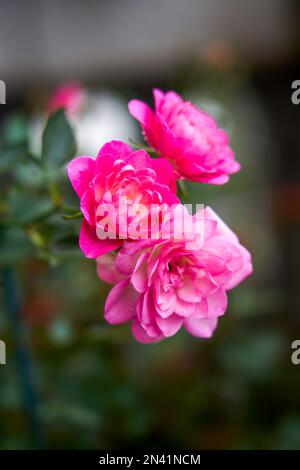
<point>54,192</point>
<point>182,189</point>
<point>24,362</point>
<point>139,146</point>
<point>77,215</point>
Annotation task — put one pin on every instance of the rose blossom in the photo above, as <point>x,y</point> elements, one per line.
<point>187,136</point>
<point>70,96</point>
<point>118,173</point>
<point>161,286</point>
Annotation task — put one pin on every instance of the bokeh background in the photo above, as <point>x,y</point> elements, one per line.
<point>72,381</point>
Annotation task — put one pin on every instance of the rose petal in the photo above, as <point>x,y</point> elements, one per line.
<point>117,148</point>
<point>165,173</point>
<point>169,326</point>
<point>91,245</point>
<point>87,206</point>
<point>189,292</point>
<point>140,334</point>
<point>141,112</point>
<point>139,277</point>
<point>217,303</point>
<point>106,269</point>
<point>120,306</point>
<point>202,328</point>
<point>139,159</point>
<point>81,171</point>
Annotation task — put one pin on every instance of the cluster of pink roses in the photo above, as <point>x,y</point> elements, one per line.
<point>161,283</point>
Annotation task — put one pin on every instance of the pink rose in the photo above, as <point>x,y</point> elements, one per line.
<point>70,96</point>
<point>161,286</point>
<point>118,173</point>
<point>187,136</point>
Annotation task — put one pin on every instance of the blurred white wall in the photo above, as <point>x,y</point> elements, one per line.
<point>52,40</point>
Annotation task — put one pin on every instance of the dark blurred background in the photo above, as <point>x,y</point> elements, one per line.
<point>71,381</point>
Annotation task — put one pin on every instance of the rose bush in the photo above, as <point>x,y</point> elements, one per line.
<point>166,279</point>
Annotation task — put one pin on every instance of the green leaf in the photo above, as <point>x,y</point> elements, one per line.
<point>15,129</point>
<point>14,246</point>
<point>58,145</point>
<point>11,155</point>
<point>29,175</point>
<point>28,208</point>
